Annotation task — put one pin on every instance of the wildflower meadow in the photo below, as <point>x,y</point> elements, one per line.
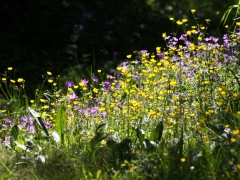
<point>169,114</point>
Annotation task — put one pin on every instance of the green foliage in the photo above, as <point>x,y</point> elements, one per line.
<point>61,123</point>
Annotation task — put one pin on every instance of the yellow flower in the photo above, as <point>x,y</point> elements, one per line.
<point>226,26</point>
<point>95,90</point>
<point>99,71</point>
<point>75,102</point>
<point>207,20</point>
<point>10,68</point>
<point>4,110</point>
<point>165,154</point>
<point>49,73</point>
<point>218,12</point>
<point>205,138</point>
<point>129,56</point>
<point>171,18</point>
<point>45,107</point>
<point>31,101</point>
<point>131,170</point>
<point>54,84</point>
<point>184,20</point>
<point>75,87</point>
<point>238,23</point>
<point>189,32</point>
<point>4,79</point>
<point>164,35</point>
<point>50,80</point>
<point>179,22</point>
<point>20,80</point>
<point>119,68</point>
<point>12,81</point>
<point>193,10</point>
<point>183,159</point>
<point>227,126</point>
<point>90,137</point>
<point>81,84</point>
<point>236,132</point>
<point>200,38</point>
<point>233,140</point>
<point>42,100</point>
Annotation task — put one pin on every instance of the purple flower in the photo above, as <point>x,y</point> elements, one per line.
<point>48,124</point>
<point>137,76</point>
<point>7,140</point>
<point>143,51</point>
<point>27,123</point>
<point>107,85</point>
<point>69,84</point>
<point>110,77</point>
<point>79,27</point>
<point>118,86</point>
<point>84,81</point>
<point>9,120</point>
<point>94,110</point>
<point>136,62</point>
<point>182,37</point>
<point>215,39</point>
<point>160,55</point>
<point>72,97</point>
<point>104,114</point>
<point>95,79</point>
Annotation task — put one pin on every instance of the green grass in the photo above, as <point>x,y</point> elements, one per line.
<point>172,114</point>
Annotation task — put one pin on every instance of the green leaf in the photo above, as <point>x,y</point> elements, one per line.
<point>156,133</point>
<point>236,116</point>
<point>140,135</point>
<point>39,120</point>
<point>61,122</point>
<point>218,129</point>
<point>99,174</point>
<point>21,146</point>
<point>100,126</point>
<point>15,132</point>
<point>44,115</point>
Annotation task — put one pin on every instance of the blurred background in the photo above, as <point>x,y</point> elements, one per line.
<point>73,38</point>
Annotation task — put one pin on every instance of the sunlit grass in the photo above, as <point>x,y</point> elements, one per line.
<point>169,114</point>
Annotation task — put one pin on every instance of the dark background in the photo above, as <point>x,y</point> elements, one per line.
<point>52,35</point>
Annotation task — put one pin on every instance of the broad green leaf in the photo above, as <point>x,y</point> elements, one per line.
<point>61,122</point>
<point>100,126</point>
<point>21,146</point>
<point>156,133</point>
<point>140,135</point>
<point>38,120</point>
<point>15,132</point>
